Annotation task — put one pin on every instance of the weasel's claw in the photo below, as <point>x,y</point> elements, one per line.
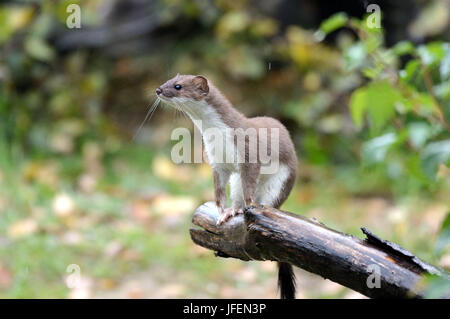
<point>228,213</point>
<point>223,218</point>
<point>236,211</point>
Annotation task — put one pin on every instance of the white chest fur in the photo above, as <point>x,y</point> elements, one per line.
<point>222,155</point>
<point>217,135</point>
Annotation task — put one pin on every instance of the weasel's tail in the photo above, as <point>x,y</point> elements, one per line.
<point>286,281</point>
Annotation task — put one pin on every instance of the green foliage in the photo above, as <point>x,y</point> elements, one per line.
<point>334,22</point>
<point>434,154</point>
<point>405,114</point>
<point>375,150</point>
<point>401,108</point>
<point>67,117</point>
<point>376,100</point>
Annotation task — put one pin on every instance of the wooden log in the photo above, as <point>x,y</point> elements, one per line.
<point>264,233</point>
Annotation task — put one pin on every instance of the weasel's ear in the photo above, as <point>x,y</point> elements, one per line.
<point>201,83</point>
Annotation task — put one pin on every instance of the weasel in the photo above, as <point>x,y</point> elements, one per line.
<point>249,185</point>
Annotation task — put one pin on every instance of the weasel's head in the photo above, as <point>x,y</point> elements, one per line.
<point>182,87</point>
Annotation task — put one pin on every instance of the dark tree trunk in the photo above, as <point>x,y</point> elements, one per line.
<point>264,233</point>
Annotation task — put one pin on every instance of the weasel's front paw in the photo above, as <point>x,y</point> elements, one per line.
<point>228,213</point>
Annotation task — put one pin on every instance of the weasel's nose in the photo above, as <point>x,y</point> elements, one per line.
<point>158,91</point>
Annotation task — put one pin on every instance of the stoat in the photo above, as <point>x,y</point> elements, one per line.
<point>252,180</point>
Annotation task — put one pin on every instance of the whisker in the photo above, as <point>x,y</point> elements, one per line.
<point>185,115</point>
<point>180,108</point>
<point>175,114</point>
<point>147,117</point>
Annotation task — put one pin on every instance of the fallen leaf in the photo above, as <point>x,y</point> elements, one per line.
<point>42,172</point>
<point>164,168</point>
<point>23,228</point>
<point>108,283</point>
<point>174,205</point>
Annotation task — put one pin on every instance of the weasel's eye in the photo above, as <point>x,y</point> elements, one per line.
<point>177,87</point>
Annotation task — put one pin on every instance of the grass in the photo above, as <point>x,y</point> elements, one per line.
<point>137,217</point>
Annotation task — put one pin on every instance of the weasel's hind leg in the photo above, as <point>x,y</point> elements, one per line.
<point>236,192</point>
<point>272,190</point>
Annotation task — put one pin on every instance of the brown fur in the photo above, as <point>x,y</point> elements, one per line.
<point>198,88</point>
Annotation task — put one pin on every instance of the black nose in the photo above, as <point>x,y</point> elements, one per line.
<point>158,91</point>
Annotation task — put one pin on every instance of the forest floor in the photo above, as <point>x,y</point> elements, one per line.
<point>123,222</point>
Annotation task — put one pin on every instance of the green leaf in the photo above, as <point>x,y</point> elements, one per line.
<point>443,241</point>
<point>410,70</point>
<point>358,105</point>
<point>378,101</point>
<point>419,133</point>
<point>375,150</point>
<point>403,47</point>
<point>38,49</point>
<point>355,56</point>
<point>435,154</point>
<point>372,72</point>
<point>334,22</point>
<point>374,41</point>
<point>414,169</point>
<point>431,53</point>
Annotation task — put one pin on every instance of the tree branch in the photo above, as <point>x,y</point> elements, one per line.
<point>265,233</point>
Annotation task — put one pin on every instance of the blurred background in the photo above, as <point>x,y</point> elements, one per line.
<point>82,202</point>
